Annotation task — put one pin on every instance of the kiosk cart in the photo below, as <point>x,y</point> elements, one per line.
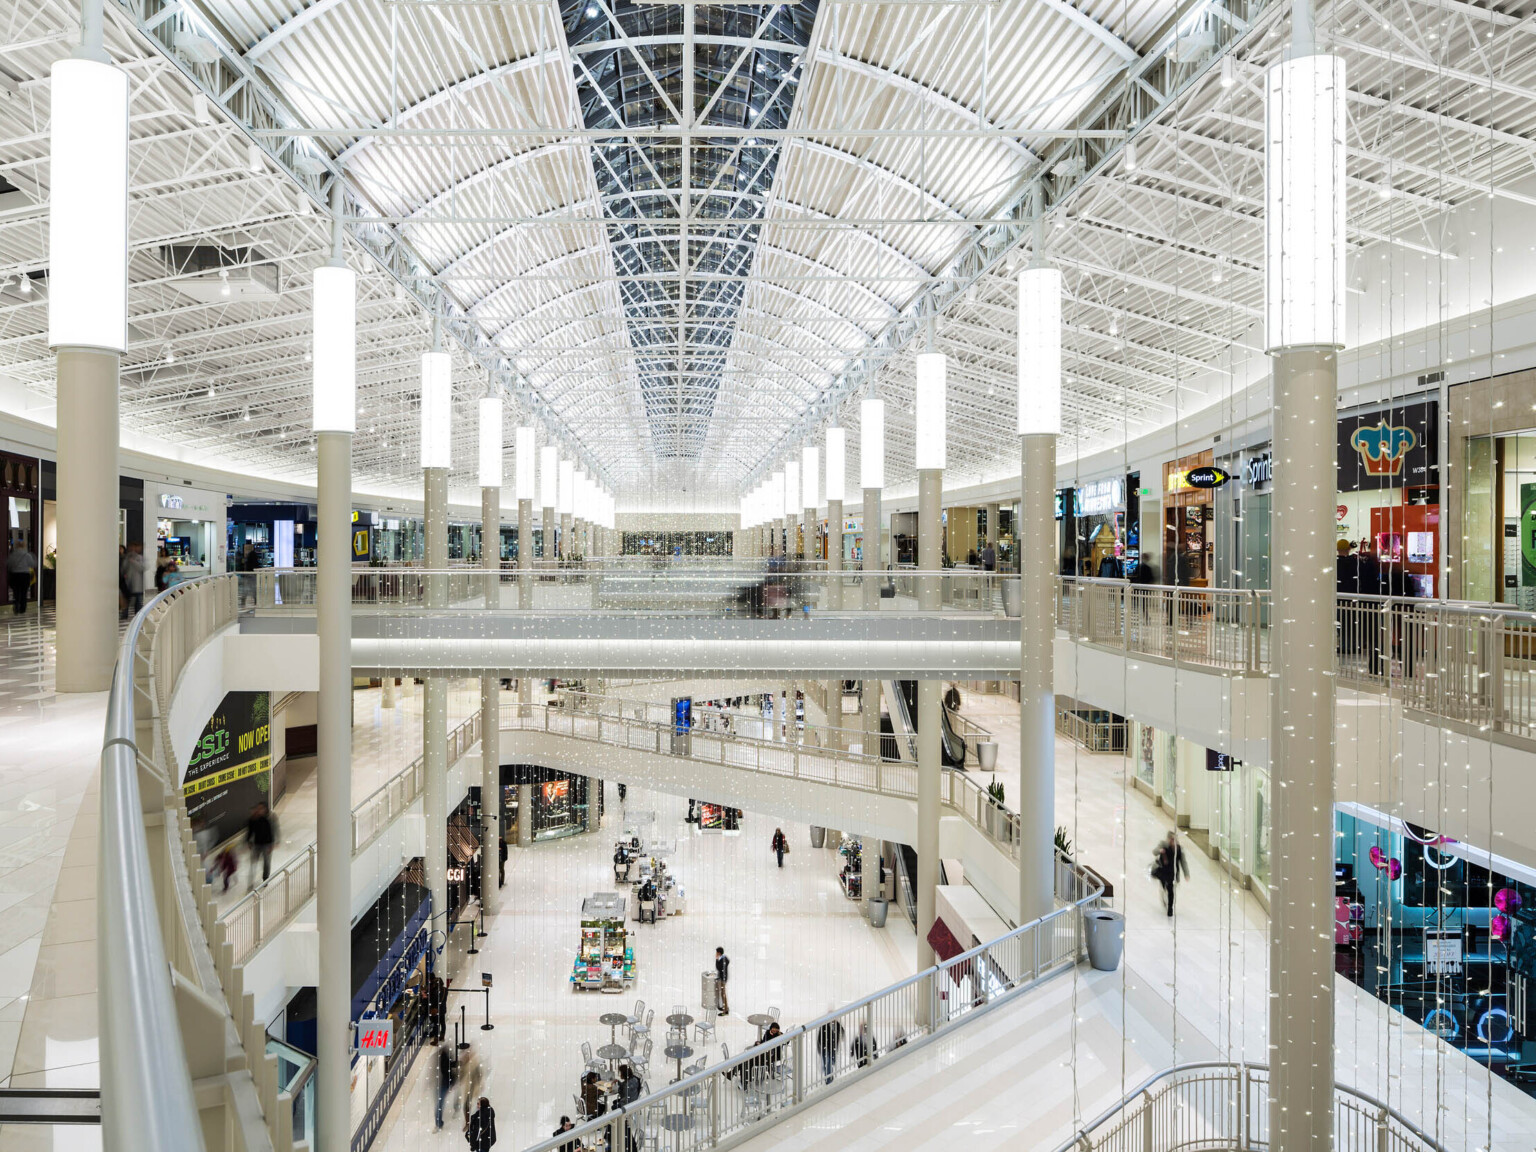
<point>605,961</point>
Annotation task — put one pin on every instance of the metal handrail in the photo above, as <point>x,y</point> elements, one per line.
<point>146,1084</point>
<point>1139,1104</point>
<point>911,1013</point>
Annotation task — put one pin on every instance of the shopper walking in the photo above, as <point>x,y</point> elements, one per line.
<point>780,845</point>
<point>829,1041</point>
<point>447,1073</point>
<point>480,1127</point>
<point>1167,862</point>
<point>863,1049</point>
<point>260,836</point>
<point>437,1006</point>
<point>722,975</point>
<point>20,570</point>
<point>131,579</point>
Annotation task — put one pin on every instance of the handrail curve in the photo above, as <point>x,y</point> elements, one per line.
<point>1228,1108</point>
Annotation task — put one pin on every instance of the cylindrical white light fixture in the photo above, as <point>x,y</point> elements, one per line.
<point>1040,352</point>
<point>526,464</point>
<point>436,410</point>
<point>929,410</point>
<point>1304,197</point>
<point>564,503</point>
<point>490,442</point>
<point>88,206</point>
<point>872,443</point>
<point>810,467</point>
<point>775,494</point>
<point>579,495</point>
<point>791,487</point>
<point>837,463</point>
<point>334,357</point>
<point>549,468</point>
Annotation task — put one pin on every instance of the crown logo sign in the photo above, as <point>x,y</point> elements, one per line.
<point>1383,447</point>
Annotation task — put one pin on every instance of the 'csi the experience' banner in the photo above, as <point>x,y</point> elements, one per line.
<point>231,767</point>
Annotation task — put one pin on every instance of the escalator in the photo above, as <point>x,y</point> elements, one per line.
<point>901,744</point>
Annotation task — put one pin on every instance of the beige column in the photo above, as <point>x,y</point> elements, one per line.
<point>87,519</point>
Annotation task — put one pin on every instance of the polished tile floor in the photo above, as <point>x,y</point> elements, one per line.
<point>796,943</point>
<point>49,748</point>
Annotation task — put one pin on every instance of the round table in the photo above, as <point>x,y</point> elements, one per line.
<point>676,1121</point>
<point>613,1020</point>
<point>678,1052</point>
<point>679,1019</point>
<point>612,1052</point>
<point>761,1020</point>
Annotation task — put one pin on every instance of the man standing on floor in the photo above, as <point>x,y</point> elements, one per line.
<point>20,568</point>
<point>722,975</point>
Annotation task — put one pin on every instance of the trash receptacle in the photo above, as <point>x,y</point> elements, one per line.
<point>707,998</point>
<point>1013,597</point>
<point>818,836</point>
<point>986,755</point>
<point>1106,938</point>
<point>877,911</point>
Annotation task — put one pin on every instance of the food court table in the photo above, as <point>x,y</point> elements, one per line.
<point>612,1052</point>
<point>680,1020</point>
<point>613,1020</point>
<point>678,1052</point>
<point>761,1020</point>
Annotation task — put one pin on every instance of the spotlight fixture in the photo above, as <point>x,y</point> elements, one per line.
<point>24,284</point>
<point>223,281</point>
<point>253,158</point>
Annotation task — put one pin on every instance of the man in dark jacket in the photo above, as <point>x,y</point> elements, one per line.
<point>1166,866</point>
<point>447,1073</point>
<point>260,835</point>
<point>829,1041</point>
<point>480,1127</point>
<point>722,974</point>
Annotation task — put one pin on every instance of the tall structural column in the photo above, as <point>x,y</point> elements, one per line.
<point>334,357</point>
<point>835,604</point>
<point>930,460</point>
<point>88,331</point>
<point>1039,424</point>
<point>835,485</point>
<point>527,474</point>
<point>929,696</point>
<point>490,686</point>
<point>872,480</point>
<point>436,458</point>
<point>1304,303</point>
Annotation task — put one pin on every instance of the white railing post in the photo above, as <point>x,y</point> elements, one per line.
<point>1146,1123</point>
<point>1383,1131</point>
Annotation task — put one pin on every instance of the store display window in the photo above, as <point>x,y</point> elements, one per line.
<point>1441,931</point>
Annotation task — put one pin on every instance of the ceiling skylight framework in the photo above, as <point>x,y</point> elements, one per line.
<point>853,167</point>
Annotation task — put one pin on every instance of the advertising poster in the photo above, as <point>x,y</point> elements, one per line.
<point>230,769</point>
<point>1392,448</point>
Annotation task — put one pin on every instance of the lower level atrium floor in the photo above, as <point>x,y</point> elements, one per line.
<point>796,943</point>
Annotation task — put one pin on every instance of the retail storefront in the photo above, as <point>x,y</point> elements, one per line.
<point>1492,508</point>
<point>282,534</point>
<point>546,804</point>
<point>188,524</point>
<point>1389,490</point>
<point>1096,536</point>
<point>1440,931</point>
<point>1189,520</point>
<point>1243,517</point>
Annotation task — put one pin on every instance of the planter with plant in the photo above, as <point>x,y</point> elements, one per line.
<point>994,816</point>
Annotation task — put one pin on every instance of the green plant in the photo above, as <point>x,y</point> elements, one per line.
<point>1063,841</point>
<point>995,790</point>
